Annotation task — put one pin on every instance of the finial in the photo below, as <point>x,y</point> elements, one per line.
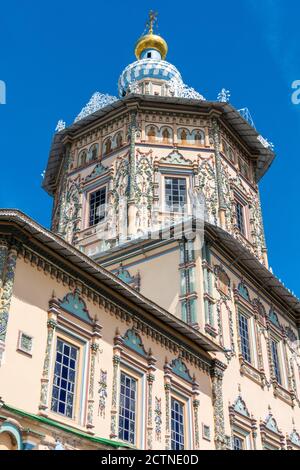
<point>152,21</point>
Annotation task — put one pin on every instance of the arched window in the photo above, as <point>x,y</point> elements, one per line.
<point>82,158</point>
<point>93,152</point>
<point>151,134</point>
<point>199,138</point>
<point>119,141</point>
<point>107,146</point>
<point>183,136</point>
<point>166,136</point>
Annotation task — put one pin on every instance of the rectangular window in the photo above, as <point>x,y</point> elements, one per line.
<point>240,217</point>
<point>209,312</point>
<point>63,391</point>
<point>177,425</point>
<point>188,311</point>
<point>244,336</point>
<point>275,359</point>
<point>175,194</point>
<point>97,206</point>
<point>244,168</point>
<point>127,411</point>
<point>238,443</point>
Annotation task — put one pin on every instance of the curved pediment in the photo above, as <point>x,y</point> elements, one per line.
<point>179,368</point>
<point>240,407</point>
<point>97,171</point>
<point>175,158</point>
<point>75,305</point>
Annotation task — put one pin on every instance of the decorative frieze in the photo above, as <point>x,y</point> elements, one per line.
<point>158,419</point>
<point>217,372</point>
<point>93,354</point>
<point>51,326</point>
<point>8,261</point>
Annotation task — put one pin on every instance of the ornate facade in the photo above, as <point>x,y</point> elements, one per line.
<point>148,317</point>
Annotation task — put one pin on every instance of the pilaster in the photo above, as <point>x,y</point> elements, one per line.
<point>216,372</point>
<point>8,261</point>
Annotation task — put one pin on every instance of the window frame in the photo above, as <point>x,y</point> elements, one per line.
<point>139,374</point>
<point>183,396</point>
<point>81,374</point>
<point>242,229</point>
<point>247,317</point>
<point>181,404</point>
<point>88,204</point>
<point>278,366</point>
<point>178,178</point>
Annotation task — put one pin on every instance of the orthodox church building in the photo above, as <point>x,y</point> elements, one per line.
<point>147,317</point>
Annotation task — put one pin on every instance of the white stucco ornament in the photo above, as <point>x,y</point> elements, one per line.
<point>181,90</point>
<point>97,101</point>
<point>60,126</point>
<point>224,96</point>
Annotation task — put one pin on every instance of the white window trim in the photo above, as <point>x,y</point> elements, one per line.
<point>140,442</point>
<point>83,378</point>
<point>188,426</point>
<point>86,215</point>
<point>236,430</point>
<point>179,175</point>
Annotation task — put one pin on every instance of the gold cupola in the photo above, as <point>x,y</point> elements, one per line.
<point>150,41</point>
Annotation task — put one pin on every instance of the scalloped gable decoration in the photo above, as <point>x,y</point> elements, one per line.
<point>75,305</point>
<point>97,171</point>
<point>273,317</point>
<point>271,424</point>
<point>179,368</point>
<point>243,291</point>
<point>133,341</point>
<point>240,407</point>
<point>175,158</point>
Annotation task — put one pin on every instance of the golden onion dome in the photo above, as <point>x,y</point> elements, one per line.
<point>151,41</point>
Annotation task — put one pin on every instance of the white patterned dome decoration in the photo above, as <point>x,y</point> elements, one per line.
<point>146,68</point>
<point>181,90</point>
<point>97,101</point>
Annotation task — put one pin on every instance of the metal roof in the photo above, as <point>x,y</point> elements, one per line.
<point>250,136</point>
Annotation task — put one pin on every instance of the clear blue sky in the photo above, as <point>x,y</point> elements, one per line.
<point>55,54</point>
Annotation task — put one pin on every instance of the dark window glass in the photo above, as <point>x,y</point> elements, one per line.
<point>127,409</point>
<point>244,336</point>
<point>97,206</point>
<point>240,217</point>
<point>64,378</point>
<point>175,194</point>
<point>177,425</point>
<point>276,363</point>
<point>238,443</point>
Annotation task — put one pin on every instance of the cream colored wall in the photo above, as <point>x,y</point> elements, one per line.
<point>20,374</point>
<point>257,400</point>
<point>159,274</point>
